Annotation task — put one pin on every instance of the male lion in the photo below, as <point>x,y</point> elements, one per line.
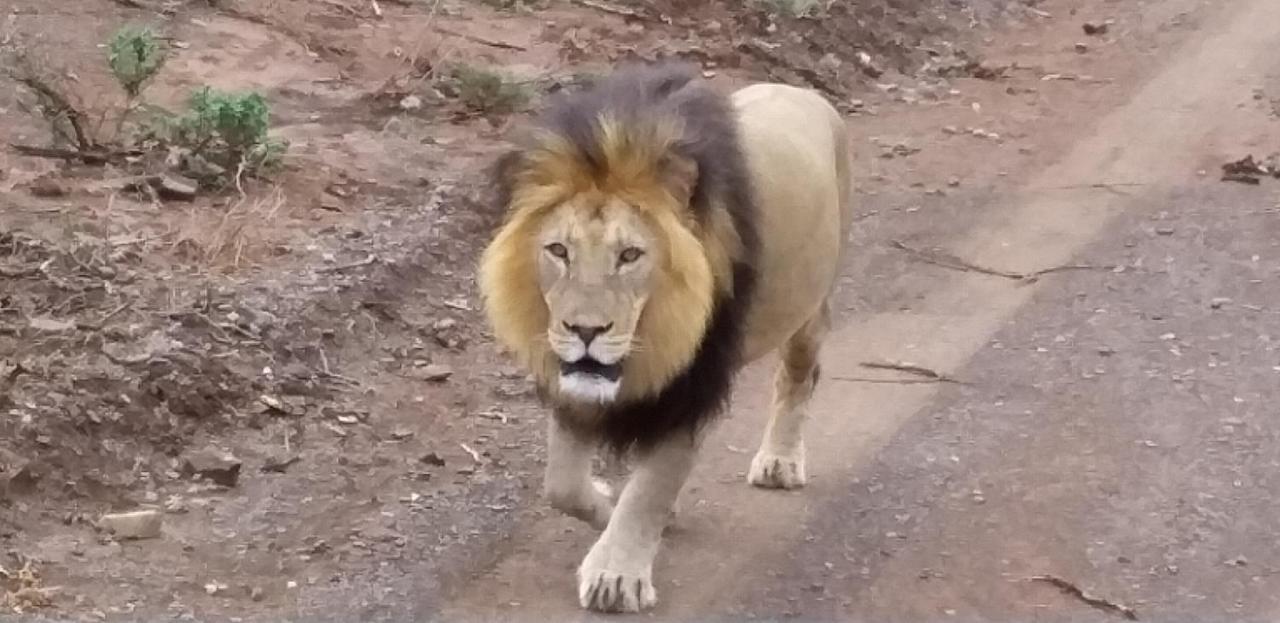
<point>658,237</point>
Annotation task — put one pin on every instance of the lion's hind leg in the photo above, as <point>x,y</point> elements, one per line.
<point>779,464</point>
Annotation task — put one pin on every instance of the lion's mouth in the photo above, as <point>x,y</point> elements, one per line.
<point>590,367</point>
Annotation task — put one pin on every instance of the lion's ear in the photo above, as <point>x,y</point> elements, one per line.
<point>680,176</point>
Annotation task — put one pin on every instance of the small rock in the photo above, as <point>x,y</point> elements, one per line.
<point>1219,302</point>
<point>953,182</point>
<point>173,186</point>
<point>330,203</point>
<point>1095,28</point>
<point>275,405</point>
<point>868,66</point>
<point>16,475</point>
<point>410,103</point>
<point>1081,48</point>
<point>432,458</point>
<point>280,463</point>
<point>830,62</point>
<point>52,325</point>
<point>220,467</point>
<point>434,373</point>
<point>48,187</point>
<point>1164,231</point>
<point>257,594</point>
<point>143,524</point>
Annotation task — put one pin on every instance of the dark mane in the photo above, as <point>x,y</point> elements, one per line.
<point>635,96</point>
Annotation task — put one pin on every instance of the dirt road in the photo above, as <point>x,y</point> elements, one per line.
<point>1115,427</point>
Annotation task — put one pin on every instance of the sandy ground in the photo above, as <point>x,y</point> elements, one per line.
<point>1109,426</point>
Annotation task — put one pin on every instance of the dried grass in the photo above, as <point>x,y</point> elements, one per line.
<point>233,238</point>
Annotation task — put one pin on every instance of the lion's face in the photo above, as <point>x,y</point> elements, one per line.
<point>596,263</point>
<point>603,284</point>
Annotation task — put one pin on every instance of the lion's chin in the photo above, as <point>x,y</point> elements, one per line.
<point>589,388</point>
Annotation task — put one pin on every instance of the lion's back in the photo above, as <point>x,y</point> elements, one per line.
<point>797,152</point>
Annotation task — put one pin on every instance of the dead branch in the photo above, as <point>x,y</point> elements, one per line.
<point>87,156</point>
<point>946,260</point>
<point>1097,602</point>
<point>61,104</point>
<point>481,40</point>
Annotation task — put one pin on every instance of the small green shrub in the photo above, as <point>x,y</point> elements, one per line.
<point>135,56</point>
<point>489,91</point>
<point>229,129</point>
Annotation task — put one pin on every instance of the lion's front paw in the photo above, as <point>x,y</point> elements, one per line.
<point>608,584</point>
<point>775,471</point>
<point>608,591</point>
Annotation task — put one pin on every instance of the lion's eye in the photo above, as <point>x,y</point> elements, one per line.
<point>558,250</point>
<point>629,255</point>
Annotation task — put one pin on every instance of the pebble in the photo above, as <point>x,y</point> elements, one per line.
<point>434,373</point>
<point>143,524</point>
<point>220,467</point>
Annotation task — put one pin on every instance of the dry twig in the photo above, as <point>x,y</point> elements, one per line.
<point>475,456</point>
<point>909,369</point>
<point>924,375</point>
<point>371,259</point>
<point>609,8</point>
<point>493,43</point>
<point>946,260</point>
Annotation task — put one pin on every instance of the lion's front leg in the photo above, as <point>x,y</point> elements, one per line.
<point>568,484</point>
<point>617,574</point>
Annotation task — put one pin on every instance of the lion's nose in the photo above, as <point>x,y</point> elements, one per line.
<point>586,333</point>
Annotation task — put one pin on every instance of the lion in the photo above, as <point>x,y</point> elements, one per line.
<point>657,237</point>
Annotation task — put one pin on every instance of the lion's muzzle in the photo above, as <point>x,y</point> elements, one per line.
<point>588,380</point>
